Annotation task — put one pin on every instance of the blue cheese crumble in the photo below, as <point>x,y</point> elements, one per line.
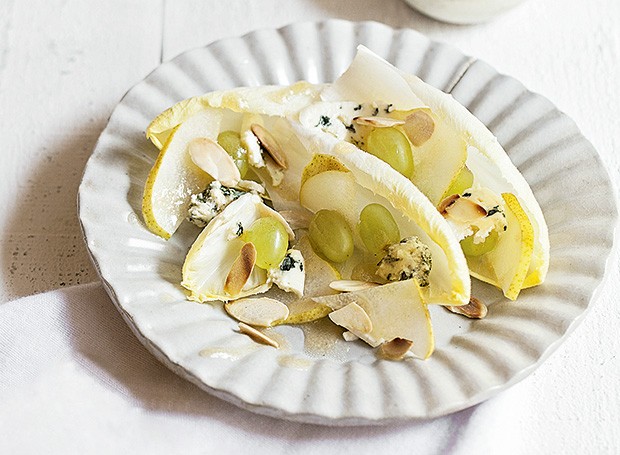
<point>407,259</point>
<point>205,206</point>
<point>290,275</point>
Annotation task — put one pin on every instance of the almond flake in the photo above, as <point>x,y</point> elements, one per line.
<point>269,144</point>
<point>395,349</point>
<point>209,156</point>
<point>465,210</point>
<point>419,127</point>
<point>257,336</point>
<point>475,309</point>
<point>241,270</point>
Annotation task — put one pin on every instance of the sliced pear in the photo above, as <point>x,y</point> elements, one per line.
<point>319,192</point>
<point>305,310</point>
<point>174,176</point>
<point>506,265</point>
<point>321,163</point>
<point>396,310</point>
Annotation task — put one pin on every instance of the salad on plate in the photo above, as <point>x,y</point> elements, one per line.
<point>363,201</point>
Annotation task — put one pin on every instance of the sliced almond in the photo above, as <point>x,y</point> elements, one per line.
<point>475,309</point>
<point>351,285</point>
<point>257,335</point>
<point>378,122</point>
<point>241,270</point>
<point>209,156</point>
<point>447,202</point>
<point>269,144</point>
<point>261,312</point>
<point>353,318</point>
<point>464,210</point>
<point>395,349</point>
<point>419,127</point>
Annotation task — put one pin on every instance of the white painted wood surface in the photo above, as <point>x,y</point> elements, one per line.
<point>64,64</point>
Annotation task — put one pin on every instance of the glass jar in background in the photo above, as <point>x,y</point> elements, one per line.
<point>463,11</point>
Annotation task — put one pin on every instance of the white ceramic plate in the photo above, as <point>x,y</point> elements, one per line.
<point>315,377</point>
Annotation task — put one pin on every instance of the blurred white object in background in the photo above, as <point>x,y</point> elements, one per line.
<point>463,11</point>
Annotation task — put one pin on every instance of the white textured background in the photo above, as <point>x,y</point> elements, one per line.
<point>64,64</point>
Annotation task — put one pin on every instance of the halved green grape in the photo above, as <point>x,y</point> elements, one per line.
<point>378,228</point>
<point>478,249</point>
<point>393,147</point>
<point>230,141</point>
<point>331,236</point>
<point>270,238</point>
<point>463,181</point>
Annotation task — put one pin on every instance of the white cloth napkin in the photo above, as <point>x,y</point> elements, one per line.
<point>74,379</point>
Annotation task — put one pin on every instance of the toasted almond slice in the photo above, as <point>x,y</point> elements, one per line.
<point>241,270</point>
<point>351,285</point>
<point>475,309</point>
<point>353,318</point>
<point>269,144</point>
<point>447,202</point>
<point>464,210</point>
<point>261,312</point>
<point>378,122</point>
<point>257,335</point>
<point>349,336</point>
<point>395,349</point>
<point>209,156</point>
<point>419,127</point>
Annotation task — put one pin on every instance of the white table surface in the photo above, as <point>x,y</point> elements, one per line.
<point>64,64</point>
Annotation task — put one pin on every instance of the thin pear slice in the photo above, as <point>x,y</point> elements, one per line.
<point>174,176</point>
<point>396,310</point>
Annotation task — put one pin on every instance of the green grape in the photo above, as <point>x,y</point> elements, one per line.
<point>463,181</point>
<point>270,238</point>
<point>478,249</point>
<point>230,141</point>
<point>331,236</point>
<point>391,146</point>
<point>378,228</point>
